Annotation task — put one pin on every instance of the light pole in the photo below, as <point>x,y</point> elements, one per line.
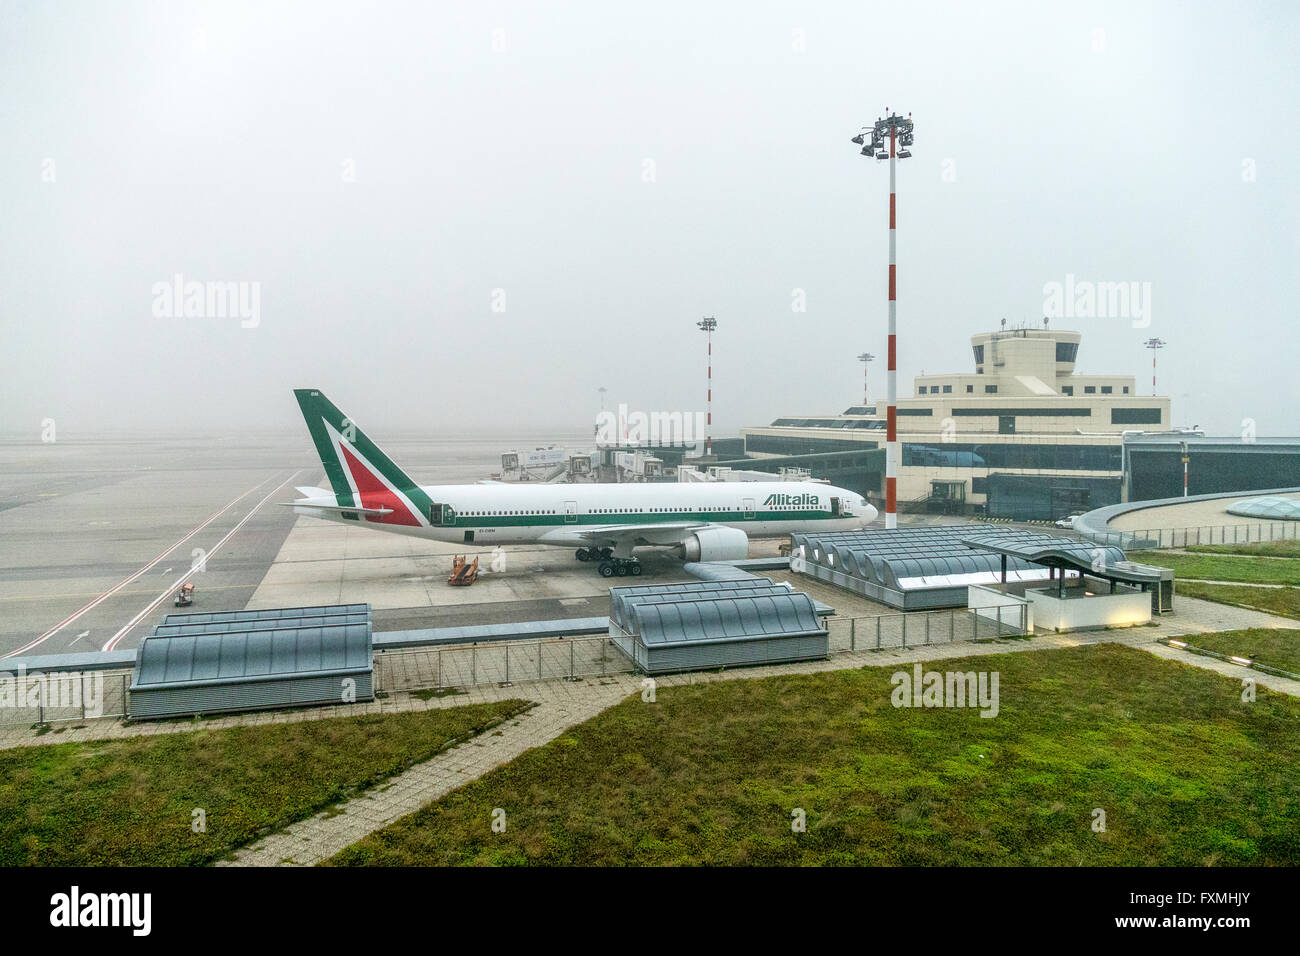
<point>865,358</point>
<point>1154,345</point>
<point>899,131</point>
<point>707,325</point>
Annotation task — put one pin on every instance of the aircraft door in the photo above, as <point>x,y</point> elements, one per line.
<point>748,505</point>
<point>570,512</point>
<point>835,507</point>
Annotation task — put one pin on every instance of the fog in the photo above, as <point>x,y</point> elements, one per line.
<point>459,216</point>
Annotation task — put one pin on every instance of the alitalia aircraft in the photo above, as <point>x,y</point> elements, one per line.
<point>702,521</point>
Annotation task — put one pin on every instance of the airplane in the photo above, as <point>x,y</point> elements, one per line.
<point>604,523</point>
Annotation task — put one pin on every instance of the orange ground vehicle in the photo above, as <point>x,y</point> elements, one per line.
<point>463,574</point>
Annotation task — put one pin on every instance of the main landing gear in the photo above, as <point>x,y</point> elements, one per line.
<point>620,566</point>
<point>610,566</point>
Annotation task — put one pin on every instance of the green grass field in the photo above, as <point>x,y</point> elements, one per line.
<point>1219,567</point>
<point>1186,773</point>
<point>130,802</point>
<point>1277,647</point>
<point>1281,601</point>
<point>1271,549</point>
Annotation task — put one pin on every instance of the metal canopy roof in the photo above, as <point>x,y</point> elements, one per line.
<point>620,596</point>
<point>919,558</point>
<point>255,654</point>
<point>1079,557</point>
<point>270,624</point>
<point>620,613</point>
<point>721,618</point>
<point>267,614</point>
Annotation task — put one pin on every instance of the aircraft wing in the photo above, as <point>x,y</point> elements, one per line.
<point>612,535</point>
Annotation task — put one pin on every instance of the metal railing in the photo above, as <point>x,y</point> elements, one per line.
<point>1154,538</point>
<point>41,699</point>
<point>47,698</point>
<point>511,662</point>
<point>917,628</point>
<point>499,662</point>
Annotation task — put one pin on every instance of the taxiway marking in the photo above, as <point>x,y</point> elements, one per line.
<point>113,641</point>
<point>113,590</point>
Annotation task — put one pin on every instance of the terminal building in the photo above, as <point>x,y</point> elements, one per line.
<point>1022,436</point>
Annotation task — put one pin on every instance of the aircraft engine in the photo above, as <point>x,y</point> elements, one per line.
<point>716,544</point>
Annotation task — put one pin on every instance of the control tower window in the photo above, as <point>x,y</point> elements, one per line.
<point>1066,351</point>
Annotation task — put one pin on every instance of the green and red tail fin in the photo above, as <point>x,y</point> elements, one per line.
<point>358,471</point>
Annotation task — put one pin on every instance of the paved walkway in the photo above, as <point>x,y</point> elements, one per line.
<point>561,704</point>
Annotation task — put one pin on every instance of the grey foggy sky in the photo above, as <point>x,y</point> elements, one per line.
<point>210,140</point>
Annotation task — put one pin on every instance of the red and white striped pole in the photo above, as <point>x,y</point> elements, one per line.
<point>900,133</point>
<point>891,374</point>
<point>1154,345</point>
<point>708,324</point>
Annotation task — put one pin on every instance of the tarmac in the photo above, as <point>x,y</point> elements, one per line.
<point>99,534</point>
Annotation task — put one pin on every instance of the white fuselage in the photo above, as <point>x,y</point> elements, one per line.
<point>507,514</point>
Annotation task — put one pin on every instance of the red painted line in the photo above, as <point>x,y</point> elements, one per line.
<point>112,642</point>
<point>113,590</point>
<point>893,279</point>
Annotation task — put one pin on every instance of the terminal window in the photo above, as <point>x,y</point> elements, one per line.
<point>1135,416</point>
<point>990,389</point>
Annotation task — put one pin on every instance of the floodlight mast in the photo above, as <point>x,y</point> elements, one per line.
<point>1154,345</point>
<point>865,358</point>
<point>899,130</point>
<point>707,325</point>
